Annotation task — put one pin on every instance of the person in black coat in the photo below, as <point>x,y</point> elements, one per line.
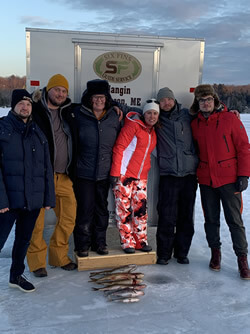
<point>26,181</point>
<point>97,128</point>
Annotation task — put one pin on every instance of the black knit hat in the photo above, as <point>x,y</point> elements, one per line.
<point>98,86</point>
<point>19,95</point>
<point>95,87</point>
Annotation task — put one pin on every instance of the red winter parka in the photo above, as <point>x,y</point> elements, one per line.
<point>223,148</point>
<point>131,152</point>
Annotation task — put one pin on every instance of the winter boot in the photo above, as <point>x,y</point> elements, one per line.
<point>214,263</point>
<point>243,267</point>
<point>22,283</point>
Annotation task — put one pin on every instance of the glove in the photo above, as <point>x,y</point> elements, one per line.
<point>113,180</point>
<point>242,183</point>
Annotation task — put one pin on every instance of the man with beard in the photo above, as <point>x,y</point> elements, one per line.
<point>26,181</point>
<point>51,111</point>
<point>177,162</point>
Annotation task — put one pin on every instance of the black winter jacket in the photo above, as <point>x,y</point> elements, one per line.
<point>175,148</point>
<point>26,177</point>
<point>96,139</point>
<point>41,115</point>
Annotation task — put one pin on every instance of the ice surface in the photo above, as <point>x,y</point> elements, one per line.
<point>178,299</point>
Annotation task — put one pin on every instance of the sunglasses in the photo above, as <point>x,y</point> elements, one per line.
<point>152,101</point>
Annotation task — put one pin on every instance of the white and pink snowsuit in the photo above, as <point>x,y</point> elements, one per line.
<point>131,163</point>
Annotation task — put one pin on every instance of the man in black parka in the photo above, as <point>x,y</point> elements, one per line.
<point>26,181</point>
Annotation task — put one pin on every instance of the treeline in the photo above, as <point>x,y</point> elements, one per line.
<point>7,84</point>
<point>235,97</point>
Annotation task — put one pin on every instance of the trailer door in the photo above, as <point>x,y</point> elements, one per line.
<point>132,71</point>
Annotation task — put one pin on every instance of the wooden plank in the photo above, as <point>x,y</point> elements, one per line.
<point>115,258</point>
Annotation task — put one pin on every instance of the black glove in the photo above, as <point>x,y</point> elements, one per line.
<point>242,183</point>
<point>113,180</point>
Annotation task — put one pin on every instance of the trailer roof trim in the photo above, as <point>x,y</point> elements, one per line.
<point>116,42</point>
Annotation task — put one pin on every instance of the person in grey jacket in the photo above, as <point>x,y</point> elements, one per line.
<point>26,181</point>
<point>177,162</point>
<point>97,128</point>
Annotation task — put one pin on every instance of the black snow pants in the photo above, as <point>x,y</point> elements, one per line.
<point>92,215</point>
<point>175,208</point>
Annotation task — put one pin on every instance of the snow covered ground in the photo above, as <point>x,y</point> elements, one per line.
<point>4,111</point>
<point>178,299</point>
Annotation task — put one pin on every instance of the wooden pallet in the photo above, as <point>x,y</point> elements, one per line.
<point>115,258</point>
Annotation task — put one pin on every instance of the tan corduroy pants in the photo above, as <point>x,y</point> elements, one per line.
<point>65,211</point>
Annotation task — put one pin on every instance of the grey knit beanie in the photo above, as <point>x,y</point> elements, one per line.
<point>165,93</point>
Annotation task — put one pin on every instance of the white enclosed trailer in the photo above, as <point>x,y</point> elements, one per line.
<point>136,66</point>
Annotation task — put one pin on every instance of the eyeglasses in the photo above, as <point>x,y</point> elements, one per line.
<point>208,100</point>
<point>98,97</point>
<point>152,101</point>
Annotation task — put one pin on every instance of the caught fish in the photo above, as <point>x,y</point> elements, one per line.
<point>125,294</point>
<point>122,281</point>
<point>123,289</point>
<point>120,290</point>
<point>129,267</point>
<point>117,291</point>
<point>120,286</point>
<point>107,288</point>
<point>126,300</point>
<point>117,277</point>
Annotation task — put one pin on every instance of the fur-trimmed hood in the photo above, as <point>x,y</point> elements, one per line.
<point>40,95</point>
<point>37,95</point>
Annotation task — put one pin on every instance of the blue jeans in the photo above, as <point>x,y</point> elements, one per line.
<point>25,222</point>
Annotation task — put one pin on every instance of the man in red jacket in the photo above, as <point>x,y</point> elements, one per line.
<point>223,171</point>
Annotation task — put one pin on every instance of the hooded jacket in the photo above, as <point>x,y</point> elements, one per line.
<point>223,148</point>
<point>42,116</point>
<point>175,148</point>
<point>131,153</point>
<point>26,177</point>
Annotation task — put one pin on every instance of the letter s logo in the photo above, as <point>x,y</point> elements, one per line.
<point>112,67</point>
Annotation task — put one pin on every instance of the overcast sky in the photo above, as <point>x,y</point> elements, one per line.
<point>225,26</point>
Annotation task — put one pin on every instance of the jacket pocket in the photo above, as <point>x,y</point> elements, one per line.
<point>227,167</point>
<point>203,169</point>
<point>190,161</point>
<point>5,136</point>
<point>167,164</point>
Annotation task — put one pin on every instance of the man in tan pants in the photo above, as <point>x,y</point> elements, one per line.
<point>52,113</point>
